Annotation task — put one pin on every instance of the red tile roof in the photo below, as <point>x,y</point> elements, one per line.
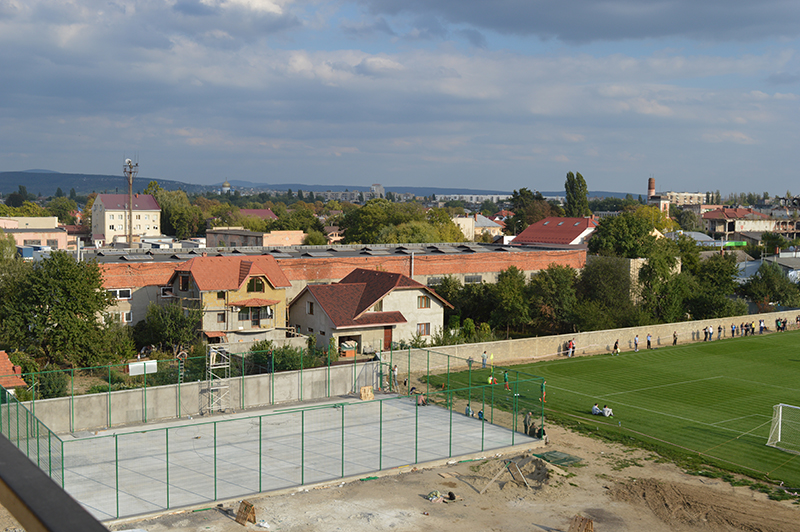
<point>554,230</point>
<point>228,273</point>
<point>136,275</point>
<point>10,375</point>
<point>141,202</point>
<point>347,302</point>
<point>265,214</point>
<point>733,214</point>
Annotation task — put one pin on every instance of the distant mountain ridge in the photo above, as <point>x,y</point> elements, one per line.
<point>46,182</point>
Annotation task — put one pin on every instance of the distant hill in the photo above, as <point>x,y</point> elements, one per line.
<point>46,182</point>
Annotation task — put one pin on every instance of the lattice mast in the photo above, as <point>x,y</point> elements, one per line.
<point>218,374</point>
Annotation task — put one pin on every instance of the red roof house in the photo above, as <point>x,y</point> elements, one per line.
<point>556,230</point>
<point>371,308</point>
<point>264,214</point>
<point>10,375</point>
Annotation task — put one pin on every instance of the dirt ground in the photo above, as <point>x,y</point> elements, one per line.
<point>620,489</point>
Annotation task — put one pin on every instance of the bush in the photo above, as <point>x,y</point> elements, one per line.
<point>52,384</point>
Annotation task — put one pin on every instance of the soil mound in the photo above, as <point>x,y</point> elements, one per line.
<point>682,505</point>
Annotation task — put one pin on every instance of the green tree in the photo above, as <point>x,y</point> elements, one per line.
<point>769,285</point>
<point>511,309</point>
<point>528,209</point>
<point>63,207</point>
<point>577,196</point>
<point>59,193</point>
<point>8,248</point>
<point>55,306</point>
<point>488,207</point>
<point>663,289</point>
<point>315,238</point>
<point>364,225</point>
<point>687,220</point>
<point>169,325</point>
<point>624,235</point>
<point>715,283</point>
<point>773,242</point>
<point>553,299</point>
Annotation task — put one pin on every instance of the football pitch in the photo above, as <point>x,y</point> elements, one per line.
<point>712,400</point>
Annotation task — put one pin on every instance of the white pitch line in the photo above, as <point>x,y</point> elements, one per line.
<point>764,384</point>
<point>742,417</point>
<point>664,385</point>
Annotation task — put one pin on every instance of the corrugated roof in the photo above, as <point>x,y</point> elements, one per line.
<point>554,230</point>
<point>734,214</point>
<point>265,214</point>
<point>119,275</point>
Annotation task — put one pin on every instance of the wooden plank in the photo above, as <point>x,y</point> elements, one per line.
<point>581,524</point>
<point>246,513</point>
<point>516,473</point>
<point>494,478</point>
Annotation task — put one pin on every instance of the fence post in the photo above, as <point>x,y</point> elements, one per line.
<point>116,468</point>
<point>416,432</point>
<point>450,452</point>
<point>301,373</point>
<point>302,447</point>
<point>428,375</point>
<point>483,419</point>
<point>380,438</point>
<point>260,457</point>
<point>215,460</point>
<point>329,371</point>
<point>343,407</point>
<point>166,460</point>
<point>145,393</point>
<point>408,388</point>
<point>108,395</point>
<point>72,402</point>
<point>241,386</point>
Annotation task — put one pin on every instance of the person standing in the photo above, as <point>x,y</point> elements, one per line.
<point>649,338</point>
<point>719,332</point>
<point>636,344</point>
<point>572,348</point>
<point>394,378</point>
<point>616,348</point>
<point>674,337</point>
<point>505,381</point>
<point>528,423</point>
<point>483,360</point>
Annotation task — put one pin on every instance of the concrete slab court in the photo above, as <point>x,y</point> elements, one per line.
<point>137,470</point>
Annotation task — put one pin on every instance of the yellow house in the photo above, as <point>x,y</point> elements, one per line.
<point>242,298</point>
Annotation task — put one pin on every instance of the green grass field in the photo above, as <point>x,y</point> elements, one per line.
<point>711,400</point>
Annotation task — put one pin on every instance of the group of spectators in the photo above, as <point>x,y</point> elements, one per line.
<point>605,411</point>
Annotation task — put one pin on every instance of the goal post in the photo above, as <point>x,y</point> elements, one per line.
<point>784,433</point>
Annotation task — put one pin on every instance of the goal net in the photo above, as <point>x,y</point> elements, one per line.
<point>784,433</point>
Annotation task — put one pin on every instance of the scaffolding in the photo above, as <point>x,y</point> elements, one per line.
<point>218,374</point>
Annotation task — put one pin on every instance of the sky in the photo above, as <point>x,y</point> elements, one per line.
<point>479,94</point>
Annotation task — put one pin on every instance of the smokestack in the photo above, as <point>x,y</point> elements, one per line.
<point>651,187</point>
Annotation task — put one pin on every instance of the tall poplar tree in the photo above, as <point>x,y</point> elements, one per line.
<point>577,204</point>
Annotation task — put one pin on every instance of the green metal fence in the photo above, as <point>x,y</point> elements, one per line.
<point>472,409</point>
<point>31,436</point>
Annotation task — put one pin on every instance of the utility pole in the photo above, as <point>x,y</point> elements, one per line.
<point>130,169</point>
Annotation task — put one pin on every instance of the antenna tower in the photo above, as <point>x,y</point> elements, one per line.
<point>130,169</point>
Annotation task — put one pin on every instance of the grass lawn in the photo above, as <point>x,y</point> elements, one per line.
<point>708,400</point>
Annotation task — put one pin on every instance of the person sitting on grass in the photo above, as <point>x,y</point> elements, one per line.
<point>596,410</point>
<point>469,412</point>
<point>607,411</point>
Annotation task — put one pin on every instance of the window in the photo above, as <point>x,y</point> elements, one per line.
<point>255,285</point>
<point>119,227</point>
<point>322,333</point>
<point>121,293</point>
<point>138,216</point>
<point>244,314</point>
<point>146,216</point>
<point>147,227</point>
<point>111,227</point>
<point>220,317</point>
<point>423,302</point>
<point>32,242</point>
<point>52,243</point>
<point>378,307</point>
<point>166,291</point>
<point>155,227</point>
<point>424,329</point>
<point>125,317</point>
<point>472,279</point>
<point>433,281</point>
<point>184,286</point>
<point>311,329</point>
<point>221,294</point>
<point>310,307</point>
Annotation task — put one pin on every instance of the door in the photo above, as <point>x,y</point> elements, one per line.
<point>387,338</point>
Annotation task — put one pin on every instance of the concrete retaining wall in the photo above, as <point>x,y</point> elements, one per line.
<point>94,411</point>
<point>508,352</point>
